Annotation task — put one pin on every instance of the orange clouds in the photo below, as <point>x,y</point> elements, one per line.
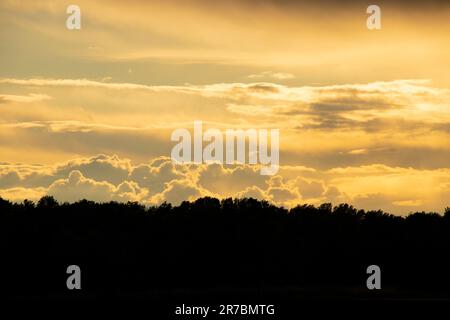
<point>138,70</point>
<point>106,178</point>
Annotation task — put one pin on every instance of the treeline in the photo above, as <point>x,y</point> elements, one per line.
<point>211,243</point>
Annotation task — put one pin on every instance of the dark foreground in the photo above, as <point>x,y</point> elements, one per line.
<point>213,252</point>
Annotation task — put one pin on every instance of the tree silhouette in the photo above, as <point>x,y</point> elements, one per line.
<point>211,243</point>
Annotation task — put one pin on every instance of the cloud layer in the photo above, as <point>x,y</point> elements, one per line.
<point>89,113</point>
<point>105,178</point>
<point>398,123</point>
<point>382,144</point>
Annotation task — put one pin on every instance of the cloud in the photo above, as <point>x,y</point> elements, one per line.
<point>412,105</point>
<point>76,83</point>
<point>157,174</point>
<point>355,135</point>
<point>407,203</point>
<point>274,75</point>
<point>109,177</point>
<point>77,187</point>
<point>9,178</point>
<point>102,167</point>
<point>19,194</point>
<point>283,196</point>
<point>389,120</point>
<point>309,189</point>
<point>177,191</point>
<point>252,192</point>
<point>229,181</point>
<point>32,97</point>
<point>358,151</point>
<point>419,87</point>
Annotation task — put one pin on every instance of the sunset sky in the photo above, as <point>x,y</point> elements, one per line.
<point>364,116</point>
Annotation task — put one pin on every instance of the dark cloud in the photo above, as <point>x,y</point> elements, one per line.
<point>263,87</point>
<point>327,108</point>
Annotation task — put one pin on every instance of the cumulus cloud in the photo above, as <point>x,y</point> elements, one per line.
<point>309,189</point>
<point>252,192</point>
<point>129,191</point>
<point>109,177</point>
<point>111,169</point>
<point>177,191</point>
<point>155,175</point>
<point>283,196</point>
<point>338,142</point>
<point>77,187</point>
<point>230,180</point>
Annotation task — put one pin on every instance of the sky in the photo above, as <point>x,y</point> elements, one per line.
<point>364,115</point>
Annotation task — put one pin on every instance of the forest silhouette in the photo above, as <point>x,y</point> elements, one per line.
<point>227,244</point>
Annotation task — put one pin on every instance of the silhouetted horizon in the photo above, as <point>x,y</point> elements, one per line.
<point>50,198</point>
<point>223,246</point>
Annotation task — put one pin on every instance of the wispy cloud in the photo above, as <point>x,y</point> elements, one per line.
<point>273,75</point>
<point>32,97</point>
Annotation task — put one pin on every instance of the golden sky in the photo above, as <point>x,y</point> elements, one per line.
<point>364,116</point>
